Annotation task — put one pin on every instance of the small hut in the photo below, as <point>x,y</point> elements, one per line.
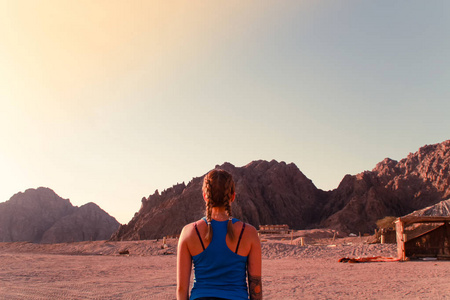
<point>423,236</point>
<point>425,232</point>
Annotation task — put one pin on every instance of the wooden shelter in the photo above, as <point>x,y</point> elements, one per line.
<point>423,236</point>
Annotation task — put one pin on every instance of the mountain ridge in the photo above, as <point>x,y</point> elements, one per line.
<point>41,216</point>
<point>391,188</point>
<point>279,193</point>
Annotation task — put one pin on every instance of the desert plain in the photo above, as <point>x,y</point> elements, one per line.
<point>147,270</point>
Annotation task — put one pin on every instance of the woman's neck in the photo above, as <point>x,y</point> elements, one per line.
<point>219,214</point>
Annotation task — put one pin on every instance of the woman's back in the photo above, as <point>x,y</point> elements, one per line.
<point>195,246</point>
<point>224,250</point>
<point>219,270</point>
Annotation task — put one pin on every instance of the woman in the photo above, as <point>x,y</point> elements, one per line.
<point>223,249</point>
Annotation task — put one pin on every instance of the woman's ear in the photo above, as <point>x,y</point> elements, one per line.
<point>233,197</point>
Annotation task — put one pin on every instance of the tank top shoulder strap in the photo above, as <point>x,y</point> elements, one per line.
<point>240,237</point>
<point>234,220</point>
<point>198,234</point>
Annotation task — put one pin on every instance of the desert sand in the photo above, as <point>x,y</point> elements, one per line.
<point>96,270</point>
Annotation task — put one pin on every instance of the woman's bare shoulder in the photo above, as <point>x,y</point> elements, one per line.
<point>247,226</point>
<point>189,229</point>
<point>251,229</point>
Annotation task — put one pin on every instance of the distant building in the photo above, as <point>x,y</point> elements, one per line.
<point>276,229</point>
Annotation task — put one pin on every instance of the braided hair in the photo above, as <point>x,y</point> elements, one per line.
<point>218,189</point>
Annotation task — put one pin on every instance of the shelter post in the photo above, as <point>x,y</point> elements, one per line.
<point>399,228</point>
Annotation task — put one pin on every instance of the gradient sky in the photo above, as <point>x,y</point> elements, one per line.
<point>107,101</point>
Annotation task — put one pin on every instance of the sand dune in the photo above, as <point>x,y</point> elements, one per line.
<point>96,270</point>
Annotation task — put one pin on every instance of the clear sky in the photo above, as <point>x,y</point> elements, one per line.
<point>107,101</point>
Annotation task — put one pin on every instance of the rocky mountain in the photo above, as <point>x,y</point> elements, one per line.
<point>279,193</point>
<point>391,189</point>
<point>41,216</point>
<point>267,193</point>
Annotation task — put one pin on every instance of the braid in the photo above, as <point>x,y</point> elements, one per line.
<point>230,230</point>
<point>228,194</point>
<point>208,194</point>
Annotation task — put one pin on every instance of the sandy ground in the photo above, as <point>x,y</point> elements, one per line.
<point>96,270</point>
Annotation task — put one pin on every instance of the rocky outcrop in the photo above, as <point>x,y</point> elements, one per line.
<point>87,223</point>
<point>41,216</point>
<point>266,193</point>
<point>391,189</point>
<point>26,216</point>
<point>279,193</point>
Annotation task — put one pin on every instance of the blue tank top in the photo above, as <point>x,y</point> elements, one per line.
<point>218,271</point>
